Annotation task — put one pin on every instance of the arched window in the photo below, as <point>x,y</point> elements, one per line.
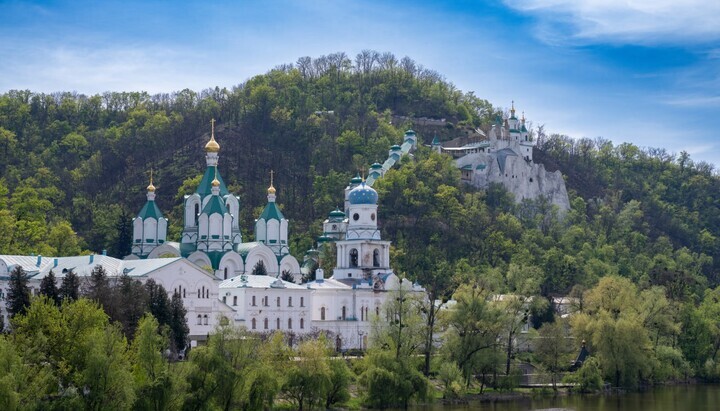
<point>289,323</point>
<point>253,301</point>
<point>199,319</point>
<point>234,299</point>
<point>376,258</point>
<point>184,293</point>
<point>344,312</point>
<point>278,301</point>
<point>197,213</point>
<point>277,323</point>
<point>302,301</point>
<point>322,313</point>
<point>362,313</point>
<point>225,273</point>
<point>289,301</point>
<point>254,323</point>
<point>198,293</point>
<point>353,258</point>
<point>205,319</point>
<point>266,323</point>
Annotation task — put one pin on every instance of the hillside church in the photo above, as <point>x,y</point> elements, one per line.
<point>211,267</point>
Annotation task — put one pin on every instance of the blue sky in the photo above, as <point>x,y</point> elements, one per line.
<point>646,72</point>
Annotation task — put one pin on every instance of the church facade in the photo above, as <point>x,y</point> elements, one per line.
<point>212,267</point>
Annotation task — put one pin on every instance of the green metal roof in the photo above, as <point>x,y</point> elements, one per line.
<point>215,257</point>
<point>436,141</point>
<point>205,187</point>
<point>356,180</point>
<point>395,147</point>
<point>271,212</point>
<point>376,165</point>
<point>244,248</point>
<point>467,167</point>
<point>480,167</point>
<point>337,213</point>
<point>215,205</point>
<point>150,210</point>
<point>523,129</point>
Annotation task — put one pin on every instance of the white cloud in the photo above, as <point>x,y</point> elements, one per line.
<point>695,101</point>
<point>625,21</point>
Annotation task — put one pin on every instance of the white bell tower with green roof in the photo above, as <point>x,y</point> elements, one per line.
<point>149,227</point>
<point>271,228</point>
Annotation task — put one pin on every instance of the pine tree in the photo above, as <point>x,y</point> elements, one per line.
<point>121,245</point>
<point>286,276</point>
<point>18,296</point>
<point>178,323</point>
<point>48,287</point>
<point>158,302</point>
<point>97,286</point>
<point>69,287</point>
<point>131,298</point>
<point>259,269</point>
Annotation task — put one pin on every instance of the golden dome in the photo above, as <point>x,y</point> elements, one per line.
<point>215,182</point>
<point>271,190</point>
<point>212,146</point>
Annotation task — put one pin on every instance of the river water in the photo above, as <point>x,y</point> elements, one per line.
<point>670,398</point>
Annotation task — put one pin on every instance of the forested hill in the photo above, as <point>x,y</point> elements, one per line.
<point>81,163</point>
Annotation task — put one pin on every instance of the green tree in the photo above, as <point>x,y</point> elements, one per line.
<point>132,299</point>
<point>389,381</point>
<point>18,294</point>
<point>473,330</point>
<point>259,269</point>
<point>107,376</point>
<point>553,349</point>
<point>62,238</point>
<point>309,378</point>
<point>613,322</point>
<point>150,367</point>
<point>69,287</point>
<point>158,302</point>
<point>179,329</point>
<point>340,379</point>
<point>48,287</point>
<point>97,288</point>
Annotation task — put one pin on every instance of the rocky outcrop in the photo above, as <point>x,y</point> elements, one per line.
<point>520,176</point>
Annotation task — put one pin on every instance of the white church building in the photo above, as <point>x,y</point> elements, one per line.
<point>212,268</point>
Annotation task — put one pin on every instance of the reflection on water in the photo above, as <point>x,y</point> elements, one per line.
<point>671,398</point>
